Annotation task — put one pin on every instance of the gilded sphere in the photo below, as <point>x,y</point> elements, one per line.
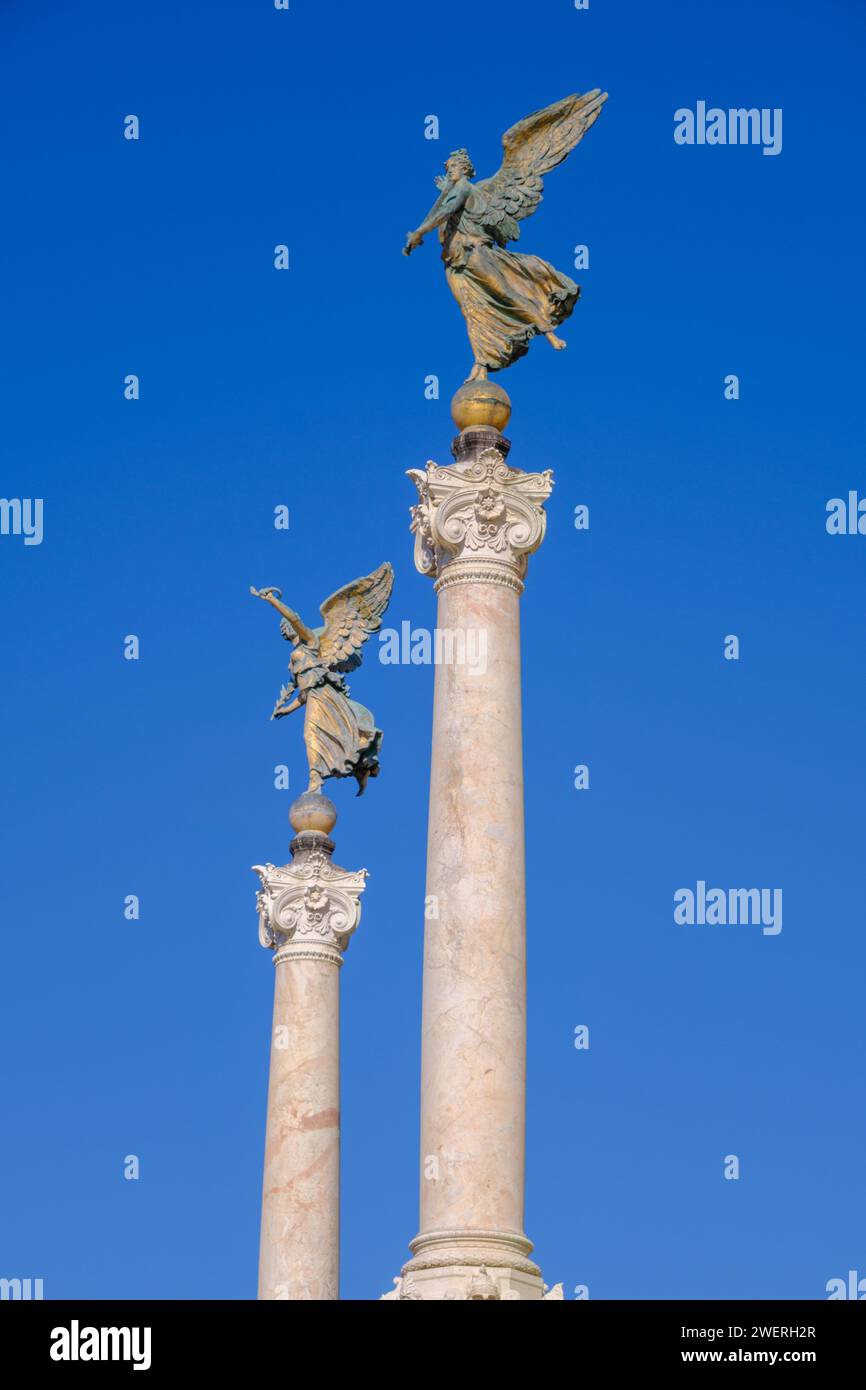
<point>480,403</point>
<point>313,811</point>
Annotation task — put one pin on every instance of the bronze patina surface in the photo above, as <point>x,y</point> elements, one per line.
<point>506,298</point>
<point>340,735</point>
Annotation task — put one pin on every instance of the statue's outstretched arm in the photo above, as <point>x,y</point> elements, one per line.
<point>450,200</point>
<point>282,710</point>
<point>270,596</point>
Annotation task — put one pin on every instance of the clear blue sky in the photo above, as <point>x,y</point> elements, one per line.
<point>306,388</point>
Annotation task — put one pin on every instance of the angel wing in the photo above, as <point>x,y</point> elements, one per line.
<point>351,615</point>
<point>532,148</point>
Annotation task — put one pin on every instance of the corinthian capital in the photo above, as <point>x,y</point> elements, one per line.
<point>478,524</point>
<point>308,908</point>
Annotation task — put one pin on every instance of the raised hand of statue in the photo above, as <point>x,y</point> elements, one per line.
<point>340,735</point>
<point>506,298</point>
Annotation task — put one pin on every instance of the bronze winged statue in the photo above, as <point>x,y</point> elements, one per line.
<point>506,298</point>
<point>341,736</point>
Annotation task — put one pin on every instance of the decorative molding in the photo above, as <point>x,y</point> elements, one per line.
<point>468,573</point>
<point>308,909</point>
<point>296,950</point>
<point>464,1257</point>
<point>446,1249</point>
<point>478,524</point>
<point>473,1235</point>
<point>483,1288</point>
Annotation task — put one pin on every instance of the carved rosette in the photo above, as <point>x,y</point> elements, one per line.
<point>308,909</point>
<point>479,523</point>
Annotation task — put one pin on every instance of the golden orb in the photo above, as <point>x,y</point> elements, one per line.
<point>313,811</point>
<point>480,403</point>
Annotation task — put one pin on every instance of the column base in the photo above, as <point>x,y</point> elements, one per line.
<point>483,1266</point>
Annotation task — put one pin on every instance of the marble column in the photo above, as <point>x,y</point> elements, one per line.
<point>476,523</point>
<point>308,909</point>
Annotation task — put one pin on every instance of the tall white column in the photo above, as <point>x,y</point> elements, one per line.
<point>307,911</point>
<point>476,523</point>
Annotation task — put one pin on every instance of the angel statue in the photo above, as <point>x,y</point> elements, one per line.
<point>341,737</point>
<point>506,298</point>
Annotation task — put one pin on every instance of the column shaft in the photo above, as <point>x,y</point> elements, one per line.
<point>308,910</point>
<point>475,524</point>
<point>300,1236</point>
<point>474,1009</point>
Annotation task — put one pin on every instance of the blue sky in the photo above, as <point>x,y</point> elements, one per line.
<point>306,388</point>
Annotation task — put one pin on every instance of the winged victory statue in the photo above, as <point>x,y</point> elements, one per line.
<point>506,298</point>
<point>340,735</point>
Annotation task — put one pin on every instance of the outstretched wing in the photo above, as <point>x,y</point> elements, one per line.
<point>351,615</point>
<point>532,148</point>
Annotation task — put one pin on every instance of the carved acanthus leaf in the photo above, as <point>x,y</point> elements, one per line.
<point>310,900</point>
<point>484,511</point>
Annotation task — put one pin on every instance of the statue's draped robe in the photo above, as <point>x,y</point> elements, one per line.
<point>341,737</point>
<point>506,298</point>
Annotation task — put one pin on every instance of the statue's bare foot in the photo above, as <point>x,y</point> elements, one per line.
<point>558,343</point>
<point>478,373</point>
